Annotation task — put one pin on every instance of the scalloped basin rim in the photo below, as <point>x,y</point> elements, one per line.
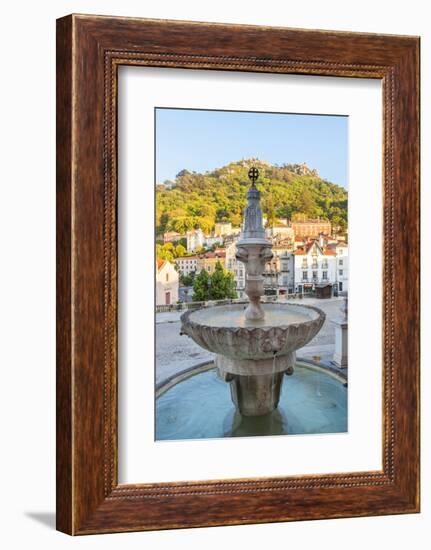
<point>286,328</point>
<point>230,316</point>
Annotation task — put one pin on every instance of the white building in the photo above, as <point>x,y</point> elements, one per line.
<point>280,230</point>
<point>166,283</point>
<point>314,265</point>
<point>279,272</point>
<point>236,267</point>
<point>172,236</point>
<point>187,264</point>
<point>222,228</point>
<point>342,276</point>
<point>195,239</point>
<point>211,241</point>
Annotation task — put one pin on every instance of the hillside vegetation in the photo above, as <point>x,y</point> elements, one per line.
<point>199,200</point>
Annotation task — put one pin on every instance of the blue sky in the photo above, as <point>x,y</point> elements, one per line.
<point>201,140</point>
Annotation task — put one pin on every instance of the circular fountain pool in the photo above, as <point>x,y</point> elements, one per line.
<point>200,406</point>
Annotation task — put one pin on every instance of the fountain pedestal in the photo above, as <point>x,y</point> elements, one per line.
<point>255,385</point>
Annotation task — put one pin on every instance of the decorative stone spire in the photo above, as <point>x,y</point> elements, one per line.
<point>253,250</point>
<point>253,231</point>
<point>253,226</point>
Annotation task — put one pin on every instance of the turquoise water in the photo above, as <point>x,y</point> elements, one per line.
<point>200,407</point>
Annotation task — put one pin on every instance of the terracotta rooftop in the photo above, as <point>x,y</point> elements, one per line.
<point>302,250</point>
<point>339,243</point>
<point>314,222</point>
<point>221,254</point>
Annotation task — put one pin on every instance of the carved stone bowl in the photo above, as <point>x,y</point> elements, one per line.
<point>225,331</point>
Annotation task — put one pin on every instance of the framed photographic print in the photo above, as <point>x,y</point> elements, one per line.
<point>237,274</point>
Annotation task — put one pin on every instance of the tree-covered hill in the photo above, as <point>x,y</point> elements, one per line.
<point>289,191</point>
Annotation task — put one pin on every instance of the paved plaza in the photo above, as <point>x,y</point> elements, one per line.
<point>176,353</point>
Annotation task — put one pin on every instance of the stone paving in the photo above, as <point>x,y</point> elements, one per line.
<point>175,353</point>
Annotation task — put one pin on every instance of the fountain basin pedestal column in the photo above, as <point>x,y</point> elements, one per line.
<point>255,385</point>
<point>254,254</point>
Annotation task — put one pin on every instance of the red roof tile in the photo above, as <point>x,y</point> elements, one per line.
<point>215,255</point>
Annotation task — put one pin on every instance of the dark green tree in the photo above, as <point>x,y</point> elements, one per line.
<point>221,284</point>
<point>230,286</point>
<point>188,280</point>
<point>201,287</point>
<point>307,204</point>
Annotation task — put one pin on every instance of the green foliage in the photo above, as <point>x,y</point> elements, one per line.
<point>180,250</point>
<point>169,252</point>
<point>201,287</point>
<point>230,291</point>
<point>200,200</point>
<point>217,286</point>
<point>187,280</point>
<point>165,252</point>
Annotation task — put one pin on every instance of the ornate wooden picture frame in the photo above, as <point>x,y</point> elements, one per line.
<point>89,51</point>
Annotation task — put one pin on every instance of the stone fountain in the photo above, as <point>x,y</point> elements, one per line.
<point>254,343</point>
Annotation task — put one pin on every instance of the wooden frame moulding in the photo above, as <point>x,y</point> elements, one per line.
<point>89,51</point>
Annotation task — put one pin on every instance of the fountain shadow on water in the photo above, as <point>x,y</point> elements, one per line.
<point>236,425</point>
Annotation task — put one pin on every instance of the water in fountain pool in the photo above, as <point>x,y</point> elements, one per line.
<point>233,316</point>
<point>200,406</point>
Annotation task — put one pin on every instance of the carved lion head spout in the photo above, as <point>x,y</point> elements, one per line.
<point>241,254</point>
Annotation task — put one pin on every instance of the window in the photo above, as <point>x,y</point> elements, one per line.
<point>167,277</point>
<point>304,275</point>
<point>325,275</point>
<point>340,272</point>
<point>315,275</point>
<point>340,262</point>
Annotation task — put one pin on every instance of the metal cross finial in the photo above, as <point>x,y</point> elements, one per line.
<point>253,174</point>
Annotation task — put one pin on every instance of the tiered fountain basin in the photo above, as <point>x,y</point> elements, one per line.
<point>253,355</point>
